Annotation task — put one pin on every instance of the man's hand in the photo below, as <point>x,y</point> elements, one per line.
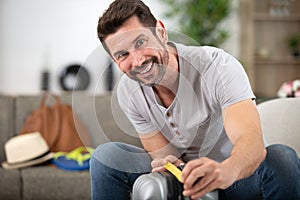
<point>204,175</point>
<point>158,163</point>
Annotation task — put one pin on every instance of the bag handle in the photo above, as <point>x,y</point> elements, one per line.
<point>45,97</point>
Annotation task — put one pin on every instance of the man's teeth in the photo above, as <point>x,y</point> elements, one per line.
<point>147,69</point>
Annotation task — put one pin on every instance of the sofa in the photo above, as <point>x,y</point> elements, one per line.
<point>104,121</point>
<point>280,121</point>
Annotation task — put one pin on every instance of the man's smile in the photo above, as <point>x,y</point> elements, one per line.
<point>147,69</point>
<point>144,69</point>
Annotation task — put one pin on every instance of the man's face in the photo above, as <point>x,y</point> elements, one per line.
<point>138,52</point>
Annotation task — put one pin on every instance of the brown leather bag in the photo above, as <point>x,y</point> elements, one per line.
<point>59,126</point>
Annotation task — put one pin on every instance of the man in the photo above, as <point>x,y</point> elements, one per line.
<point>188,104</point>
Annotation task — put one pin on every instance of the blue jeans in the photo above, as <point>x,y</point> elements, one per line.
<point>115,167</point>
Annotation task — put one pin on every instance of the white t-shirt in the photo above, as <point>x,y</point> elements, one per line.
<point>210,80</point>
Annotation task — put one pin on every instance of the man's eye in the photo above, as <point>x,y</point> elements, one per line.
<point>121,55</point>
<point>140,42</point>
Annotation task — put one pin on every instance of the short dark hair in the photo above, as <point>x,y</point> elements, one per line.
<point>119,12</point>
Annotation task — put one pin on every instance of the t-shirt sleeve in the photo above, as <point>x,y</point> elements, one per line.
<point>230,79</point>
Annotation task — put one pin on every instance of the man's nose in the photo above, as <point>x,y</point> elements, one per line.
<point>137,58</point>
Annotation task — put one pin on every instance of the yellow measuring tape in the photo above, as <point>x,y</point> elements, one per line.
<point>174,170</point>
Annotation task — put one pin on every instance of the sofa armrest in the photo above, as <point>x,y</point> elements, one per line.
<point>6,122</point>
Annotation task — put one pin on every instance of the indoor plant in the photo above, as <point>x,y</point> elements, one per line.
<point>200,19</point>
<point>294,43</point>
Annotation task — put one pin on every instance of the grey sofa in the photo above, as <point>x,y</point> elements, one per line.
<point>104,121</point>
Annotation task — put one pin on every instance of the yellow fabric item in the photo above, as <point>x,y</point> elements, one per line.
<point>79,154</point>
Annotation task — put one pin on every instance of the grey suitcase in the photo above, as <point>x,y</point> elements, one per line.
<point>162,186</point>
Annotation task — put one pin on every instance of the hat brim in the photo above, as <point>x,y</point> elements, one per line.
<point>37,161</point>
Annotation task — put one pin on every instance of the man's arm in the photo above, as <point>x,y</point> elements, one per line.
<point>242,125</point>
<point>160,149</point>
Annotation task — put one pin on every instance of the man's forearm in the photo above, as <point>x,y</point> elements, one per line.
<point>157,145</point>
<point>169,149</point>
<point>247,154</point>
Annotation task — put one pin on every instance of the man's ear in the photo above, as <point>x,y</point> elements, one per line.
<point>161,31</point>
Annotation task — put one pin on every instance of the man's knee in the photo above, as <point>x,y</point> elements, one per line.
<point>100,153</point>
<point>106,154</point>
<point>121,157</point>
<point>282,157</point>
<point>105,150</point>
<point>281,151</point>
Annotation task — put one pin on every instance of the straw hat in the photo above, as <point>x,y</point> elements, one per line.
<point>26,150</point>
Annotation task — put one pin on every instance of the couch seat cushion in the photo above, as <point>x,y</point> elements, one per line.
<point>50,182</point>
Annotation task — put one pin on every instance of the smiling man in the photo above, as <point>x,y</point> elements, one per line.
<point>189,104</point>
<point>139,53</point>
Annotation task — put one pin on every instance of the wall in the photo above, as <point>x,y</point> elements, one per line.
<point>42,34</point>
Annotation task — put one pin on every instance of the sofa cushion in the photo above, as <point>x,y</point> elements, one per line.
<point>280,121</point>
<point>49,182</point>
<point>10,183</point>
<point>101,115</point>
<point>104,118</point>
<point>113,122</point>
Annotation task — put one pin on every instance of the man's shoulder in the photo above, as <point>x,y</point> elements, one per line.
<point>199,57</point>
<point>190,51</point>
